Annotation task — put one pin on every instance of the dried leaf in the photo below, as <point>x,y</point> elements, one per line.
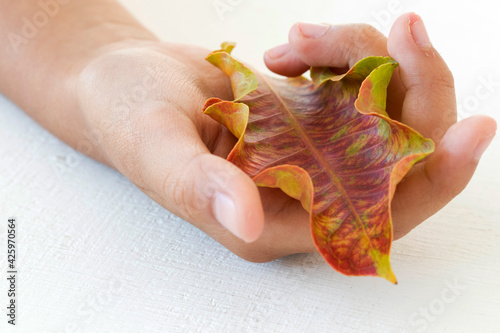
<point>328,143</point>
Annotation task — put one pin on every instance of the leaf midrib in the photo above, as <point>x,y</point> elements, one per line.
<point>319,157</point>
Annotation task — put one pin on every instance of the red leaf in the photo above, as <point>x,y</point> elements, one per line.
<point>329,144</point>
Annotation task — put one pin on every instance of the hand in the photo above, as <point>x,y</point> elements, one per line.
<point>145,100</point>
<point>142,102</point>
<point>421,95</point>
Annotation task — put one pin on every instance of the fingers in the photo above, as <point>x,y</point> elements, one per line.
<point>333,46</point>
<point>325,45</point>
<point>430,103</point>
<point>444,175</point>
<point>282,60</point>
<point>336,46</point>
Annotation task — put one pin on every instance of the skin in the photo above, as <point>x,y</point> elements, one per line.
<point>108,87</point>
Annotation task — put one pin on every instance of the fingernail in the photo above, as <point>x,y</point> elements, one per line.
<point>482,145</point>
<point>418,31</point>
<point>312,31</point>
<point>225,212</point>
<point>278,51</point>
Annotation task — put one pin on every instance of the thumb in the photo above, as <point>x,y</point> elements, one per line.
<point>169,162</point>
<point>211,189</point>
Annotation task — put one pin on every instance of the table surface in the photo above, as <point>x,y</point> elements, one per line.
<point>97,255</point>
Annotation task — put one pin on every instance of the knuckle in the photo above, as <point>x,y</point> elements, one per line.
<point>439,88</point>
<point>427,78</point>
<point>446,79</point>
<point>175,189</point>
<point>361,39</point>
<point>368,29</point>
<point>366,34</point>
<point>186,191</point>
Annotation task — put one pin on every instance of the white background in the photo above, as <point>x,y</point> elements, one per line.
<point>97,255</point>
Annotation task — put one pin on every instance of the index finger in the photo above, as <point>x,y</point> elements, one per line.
<point>338,46</point>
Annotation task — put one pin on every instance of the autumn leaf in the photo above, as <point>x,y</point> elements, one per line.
<point>330,144</point>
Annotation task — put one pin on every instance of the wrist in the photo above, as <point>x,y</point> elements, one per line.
<point>41,73</point>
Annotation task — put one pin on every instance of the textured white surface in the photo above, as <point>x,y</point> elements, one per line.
<point>97,255</point>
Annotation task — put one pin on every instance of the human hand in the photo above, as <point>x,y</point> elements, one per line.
<point>173,153</point>
<point>421,95</point>
<point>143,102</point>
